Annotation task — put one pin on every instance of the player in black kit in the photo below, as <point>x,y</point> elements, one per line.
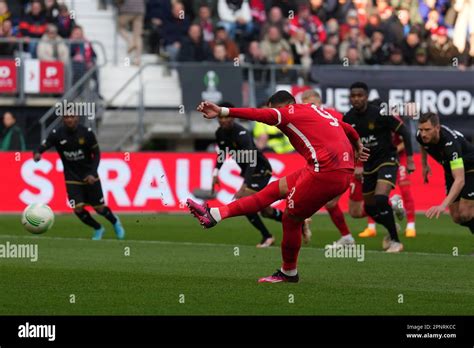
<point>449,148</point>
<point>380,171</point>
<point>79,151</point>
<point>237,141</point>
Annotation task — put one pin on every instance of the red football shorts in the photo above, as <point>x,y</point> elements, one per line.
<point>309,191</point>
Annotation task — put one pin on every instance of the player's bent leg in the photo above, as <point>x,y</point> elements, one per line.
<point>384,216</point>
<point>87,219</point>
<point>466,213</point>
<point>454,212</point>
<point>209,217</point>
<point>106,212</point>
<point>356,199</point>
<point>370,210</point>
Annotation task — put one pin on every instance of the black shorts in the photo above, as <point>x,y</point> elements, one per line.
<point>83,194</point>
<point>467,191</point>
<point>259,179</point>
<point>386,173</point>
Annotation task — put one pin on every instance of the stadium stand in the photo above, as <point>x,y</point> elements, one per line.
<point>126,76</point>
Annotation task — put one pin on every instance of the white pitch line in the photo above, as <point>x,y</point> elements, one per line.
<point>198,244</point>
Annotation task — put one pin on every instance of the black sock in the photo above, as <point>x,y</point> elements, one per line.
<point>469,224</point>
<point>383,214</point>
<point>276,215</point>
<point>107,213</point>
<point>86,218</point>
<point>257,222</point>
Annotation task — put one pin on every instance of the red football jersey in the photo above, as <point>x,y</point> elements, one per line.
<point>333,113</point>
<point>314,133</point>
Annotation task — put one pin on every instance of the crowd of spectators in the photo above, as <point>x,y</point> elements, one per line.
<point>306,32</point>
<point>43,26</point>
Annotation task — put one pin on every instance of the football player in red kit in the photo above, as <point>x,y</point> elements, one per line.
<point>310,96</point>
<point>328,147</point>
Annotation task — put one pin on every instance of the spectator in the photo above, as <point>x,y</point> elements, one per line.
<point>313,27</point>
<point>409,46</point>
<point>222,37</point>
<point>374,23</point>
<point>333,39</point>
<point>341,9</point>
<point>441,49</point>
<point>219,54</point>
<point>81,49</point>
<point>273,44</point>
<point>65,22</point>
<point>351,21</point>
<point>275,18</point>
<point>5,13</point>
<point>464,24</point>
<point>155,12</point>
<point>210,4</point>
<point>287,7</point>
<point>206,22</point>
<point>301,48</point>
<point>352,57</point>
<point>362,8</point>
<point>255,54</point>
<point>396,56</point>
<point>17,8</point>
<point>7,49</point>
<point>193,47</point>
<point>236,17</point>
<point>404,18</point>
<point>432,23</point>
<point>51,11</point>
<point>421,57</point>
<point>393,29</point>
<point>426,6</point>
<point>354,39</point>
<point>257,8</point>
<point>33,25</point>
<point>378,50</point>
<point>51,47</point>
<point>285,74</point>
<point>319,10</point>
<point>327,55</point>
<point>12,135</point>
<point>132,12</point>
<point>175,28</point>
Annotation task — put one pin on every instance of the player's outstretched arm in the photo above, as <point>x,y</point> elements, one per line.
<point>270,116</point>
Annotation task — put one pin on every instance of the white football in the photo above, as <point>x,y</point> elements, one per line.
<point>37,218</point>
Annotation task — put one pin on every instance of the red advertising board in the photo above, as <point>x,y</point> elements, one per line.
<point>156,182</point>
<point>51,77</point>
<point>8,76</point>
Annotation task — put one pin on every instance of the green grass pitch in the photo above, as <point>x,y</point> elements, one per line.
<point>171,256</point>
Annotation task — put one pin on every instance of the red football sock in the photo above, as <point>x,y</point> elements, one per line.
<point>338,219</point>
<point>291,243</point>
<point>356,191</point>
<point>370,220</point>
<point>252,204</point>
<point>408,202</point>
